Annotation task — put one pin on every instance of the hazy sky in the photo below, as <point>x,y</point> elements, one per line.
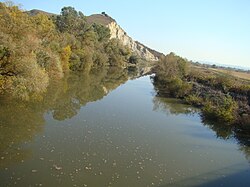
<point>200,30</point>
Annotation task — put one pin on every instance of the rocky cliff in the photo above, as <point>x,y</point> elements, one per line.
<point>138,48</point>
<point>116,31</point>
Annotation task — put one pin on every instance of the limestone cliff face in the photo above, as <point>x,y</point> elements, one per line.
<point>138,48</point>
<point>142,51</point>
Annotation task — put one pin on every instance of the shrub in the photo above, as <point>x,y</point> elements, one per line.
<point>50,62</point>
<point>222,108</point>
<point>133,59</point>
<point>194,100</point>
<point>65,57</point>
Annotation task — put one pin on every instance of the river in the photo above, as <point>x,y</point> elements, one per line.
<point>103,130</point>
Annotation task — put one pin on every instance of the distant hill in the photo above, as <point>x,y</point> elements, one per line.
<point>102,19</point>
<point>34,12</point>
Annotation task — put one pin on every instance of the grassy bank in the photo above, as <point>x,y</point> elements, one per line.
<point>221,96</point>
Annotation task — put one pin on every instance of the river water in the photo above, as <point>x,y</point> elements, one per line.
<point>102,130</point>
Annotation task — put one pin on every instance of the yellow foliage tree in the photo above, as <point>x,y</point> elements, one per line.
<point>65,56</point>
<point>45,27</point>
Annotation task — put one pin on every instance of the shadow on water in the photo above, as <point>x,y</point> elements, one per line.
<point>238,179</point>
<point>18,123</point>
<point>21,121</point>
<point>241,178</point>
<point>227,132</point>
<point>172,106</point>
<point>222,131</point>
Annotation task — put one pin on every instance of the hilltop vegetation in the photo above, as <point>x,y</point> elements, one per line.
<point>37,48</point>
<point>222,97</point>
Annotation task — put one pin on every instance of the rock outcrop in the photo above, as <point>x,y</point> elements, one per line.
<point>116,31</point>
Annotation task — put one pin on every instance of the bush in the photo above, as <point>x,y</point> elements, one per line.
<point>51,63</point>
<point>31,79</point>
<point>222,108</point>
<point>81,60</point>
<point>100,59</point>
<point>65,57</point>
<point>172,66</point>
<point>194,100</point>
<point>133,59</point>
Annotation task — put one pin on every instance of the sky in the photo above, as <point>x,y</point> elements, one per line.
<point>216,31</point>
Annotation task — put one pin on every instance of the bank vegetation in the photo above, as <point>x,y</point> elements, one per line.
<point>222,97</point>
<point>35,49</point>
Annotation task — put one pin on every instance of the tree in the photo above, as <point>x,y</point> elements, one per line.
<point>65,57</point>
<point>170,75</point>
<point>103,33</point>
<point>44,26</point>
<point>70,21</point>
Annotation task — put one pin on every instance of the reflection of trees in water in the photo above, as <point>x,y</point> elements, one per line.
<point>66,97</point>
<point>176,107</point>
<point>172,106</point>
<point>21,121</point>
<point>222,131</point>
<point>226,131</point>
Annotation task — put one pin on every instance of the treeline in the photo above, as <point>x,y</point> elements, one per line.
<point>222,97</point>
<point>37,49</point>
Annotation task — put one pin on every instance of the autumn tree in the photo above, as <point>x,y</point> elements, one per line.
<point>65,57</point>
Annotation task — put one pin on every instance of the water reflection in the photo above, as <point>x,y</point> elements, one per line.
<point>226,132</point>
<point>117,141</point>
<point>66,97</point>
<point>172,106</point>
<point>21,121</point>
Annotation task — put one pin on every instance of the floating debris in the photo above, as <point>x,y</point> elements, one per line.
<point>57,167</point>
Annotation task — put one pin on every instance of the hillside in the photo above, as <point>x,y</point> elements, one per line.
<point>154,52</point>
<point>139,49</point>
<point>102,19</point>
<point>37,47</point>
<point>34,12</point>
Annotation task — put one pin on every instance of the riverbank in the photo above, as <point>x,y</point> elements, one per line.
<point>222,97</point>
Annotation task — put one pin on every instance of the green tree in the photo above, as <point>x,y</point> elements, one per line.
<point>170,75</point>
<point>70,21</point>
<point>103,33</point>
